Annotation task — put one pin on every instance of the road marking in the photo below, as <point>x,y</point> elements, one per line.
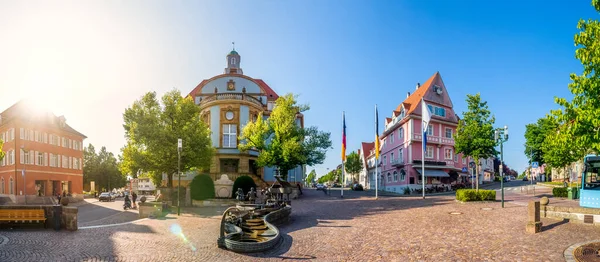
<point>113,225</point>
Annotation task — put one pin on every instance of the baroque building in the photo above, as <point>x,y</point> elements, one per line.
<point>227,102</point>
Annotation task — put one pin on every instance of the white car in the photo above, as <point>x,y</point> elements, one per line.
<point>321,187</point>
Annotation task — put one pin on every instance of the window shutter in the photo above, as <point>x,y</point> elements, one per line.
<point>80,164</point>
<point>45,159</point>
<point>31,157</point>
<point>71,162</point>
<point>31,135</point>
<point>22,155</point>
<point>22,133</point>
<point>45,137</point>
<point>12,134</point>
<point>58,163</point>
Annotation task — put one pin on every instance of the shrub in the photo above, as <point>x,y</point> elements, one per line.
<point>560,192</point>
<point>407,191</point>
<point>357,187</point>
<point>202,187</point>
<point>472,195</point>
<point>244,182</point>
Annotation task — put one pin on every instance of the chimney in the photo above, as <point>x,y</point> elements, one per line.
<point>407,94</point>
<point>418,85</point>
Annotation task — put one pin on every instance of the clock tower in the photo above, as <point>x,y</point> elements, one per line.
<point>233,62</point>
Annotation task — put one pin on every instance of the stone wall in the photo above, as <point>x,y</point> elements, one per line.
<point>214,203</point>
<point>573,214</point>
<point>150,209</point>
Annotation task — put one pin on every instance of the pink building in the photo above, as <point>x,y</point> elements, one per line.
<point>402,141</point>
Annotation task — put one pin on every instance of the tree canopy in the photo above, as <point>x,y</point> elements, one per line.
<point>1,152</point>
<point>475,132</point>
<point>311,176</point>
<point>535,138</point>
<point>102,168</point>
<point>281,141</point>
<point>152,130</point>
<point>353,165</point>
<point>579,119</point>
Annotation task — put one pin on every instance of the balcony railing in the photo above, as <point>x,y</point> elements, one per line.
<point>435,139</point>
<point>231,96</point>
<point>397,162</point>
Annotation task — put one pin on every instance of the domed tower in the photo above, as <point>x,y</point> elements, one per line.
<point>233,62</point>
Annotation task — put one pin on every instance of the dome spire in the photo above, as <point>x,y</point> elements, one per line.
<point>233,62</point>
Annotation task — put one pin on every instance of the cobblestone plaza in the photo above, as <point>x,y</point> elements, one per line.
<point>322,228</point>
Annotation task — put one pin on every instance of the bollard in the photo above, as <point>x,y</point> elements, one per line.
<point>534,224</point>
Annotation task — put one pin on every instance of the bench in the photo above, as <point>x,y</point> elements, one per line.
<point>23,215</point>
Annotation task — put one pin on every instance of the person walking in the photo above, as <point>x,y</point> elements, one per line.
<point>134,196</point>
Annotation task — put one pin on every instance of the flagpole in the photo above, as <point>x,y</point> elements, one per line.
<point>376,153</point>
<point>343,156</point>
<point>423,163</point>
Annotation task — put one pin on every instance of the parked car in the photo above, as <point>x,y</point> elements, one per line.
<point>357,187</point>
<point>525,179</point>
<point>105,196</point>
<point>321,187</point>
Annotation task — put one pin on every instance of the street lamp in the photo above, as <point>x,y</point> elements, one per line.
<point>179,144</point>
<point>501,136</point>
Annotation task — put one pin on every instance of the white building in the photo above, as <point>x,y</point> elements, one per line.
<point>145,185</point>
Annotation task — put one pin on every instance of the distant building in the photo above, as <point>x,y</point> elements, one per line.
<point>142,186</point>
<point>42,152</point>
<point>367,157</point>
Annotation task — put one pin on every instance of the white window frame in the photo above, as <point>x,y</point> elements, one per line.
<point>395,176</point>
<point>228,135</point>
<point>446,133</point>
<point>446,155</point>
<point>429,153</point>
<point>389,177</point>
<point>39,158</point>
<point>402,175</point>
<point>11,185</point>
<point>2,186</point>
<point>401,155</point>
<point>392,137</point>
<point>430,130</point>
<point>464,161</point>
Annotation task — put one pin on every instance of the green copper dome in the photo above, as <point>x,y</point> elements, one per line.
<point>233,52</point>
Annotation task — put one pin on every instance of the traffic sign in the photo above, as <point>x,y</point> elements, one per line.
<point>534,165</point>
<point>464,169</point>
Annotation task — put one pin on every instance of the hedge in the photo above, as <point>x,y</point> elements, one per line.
<point>472,195</point>
<point>202,187</point>
<point>245,182</point>
<point>560,192</point>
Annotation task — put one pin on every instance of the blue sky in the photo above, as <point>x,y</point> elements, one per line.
<point>90,60</point>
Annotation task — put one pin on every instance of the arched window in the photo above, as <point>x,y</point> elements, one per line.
<point>11,186</point>
<point>2,186</point>
<point>389,177</point>
<point>232,61</point>
<point>402,175</point>
<point>395,176</point>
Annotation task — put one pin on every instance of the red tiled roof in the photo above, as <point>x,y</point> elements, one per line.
<point>367,147</point>
<point>415,98</point>
<point>388,119</point>
<point>197,88</point>
<point>271,95</point>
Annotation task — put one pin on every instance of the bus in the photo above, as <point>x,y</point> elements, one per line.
<point>590,182</point>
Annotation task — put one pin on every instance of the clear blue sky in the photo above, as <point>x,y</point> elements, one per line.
<point>90,60</point>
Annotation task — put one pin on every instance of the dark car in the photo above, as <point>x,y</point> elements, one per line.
<point>525,179</point>
<point>105,197</point>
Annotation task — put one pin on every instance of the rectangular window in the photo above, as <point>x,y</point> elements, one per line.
<point>30,135</point>
<point>448,132</point>
<point>448,154</point>
<point>65,162</point>
<point>391,157</point>
<point>229,136</point>
<point>384,160</point>
<point>430,130</point>
<point>464,161</point>
<point>429,153</point>
<point>11,158</point>
<point>440,111</point>
<point>400,155</point>
<point>401,133</point>
<point>25,157</point>
<point>456,158</point>
<point>39,159</point>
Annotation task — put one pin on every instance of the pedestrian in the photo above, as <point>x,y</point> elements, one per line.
<point>134,196</point>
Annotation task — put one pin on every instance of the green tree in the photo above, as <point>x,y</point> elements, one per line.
<point>353,165</point>
<point>475,132</point>
<point>559,148</point>
<point>311,177</point>
<point>102,168</point>
<point>152,130</point>
<point>1,152</point>
<point>535,135</point>
<point>579,116</point>
<point>281,141</point>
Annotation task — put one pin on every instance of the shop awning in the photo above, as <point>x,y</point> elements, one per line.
<point>433,173</point>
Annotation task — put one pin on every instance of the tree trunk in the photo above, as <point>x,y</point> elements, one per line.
<point>170,180</point>
<point>284,174</point>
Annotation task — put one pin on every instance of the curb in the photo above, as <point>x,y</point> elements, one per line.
<point>113,225</point>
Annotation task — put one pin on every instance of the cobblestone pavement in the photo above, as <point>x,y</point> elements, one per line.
<point>322,228</point>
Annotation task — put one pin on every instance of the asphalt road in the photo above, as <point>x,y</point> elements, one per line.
<point>102,212</point>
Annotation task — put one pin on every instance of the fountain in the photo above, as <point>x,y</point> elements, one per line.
<point>248,227</point>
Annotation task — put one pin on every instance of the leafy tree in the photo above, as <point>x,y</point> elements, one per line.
<point>535,134</point>
<point>102,168</point>
<point>1,152</point>
<point>311,176</point>
<point>353,165</point>
<point>281,141</point>
<point>579,116</point>
<point>475,132</point>
<point>152,129</point>
<point>559,147</point>
<point>202,187</point>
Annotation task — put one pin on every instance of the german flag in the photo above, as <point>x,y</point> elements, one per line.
<point>343,136</point>
<point>376,133</point>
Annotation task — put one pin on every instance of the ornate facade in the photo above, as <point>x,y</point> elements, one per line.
<point>227,102</point>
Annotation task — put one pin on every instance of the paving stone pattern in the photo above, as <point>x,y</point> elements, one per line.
<point>323,228</point>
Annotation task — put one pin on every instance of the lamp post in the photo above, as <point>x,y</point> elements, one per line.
<point>179,144</point>
<point>501,136</point>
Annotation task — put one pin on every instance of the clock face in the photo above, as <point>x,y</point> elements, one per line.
<point>229,115</point>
